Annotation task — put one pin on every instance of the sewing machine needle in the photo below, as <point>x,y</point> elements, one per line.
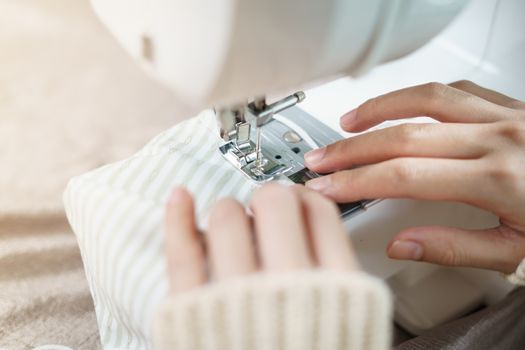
<point>258,148</point>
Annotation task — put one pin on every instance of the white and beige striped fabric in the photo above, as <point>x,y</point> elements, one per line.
<point>116,212</point>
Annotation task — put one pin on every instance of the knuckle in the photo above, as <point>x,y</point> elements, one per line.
<point>504,173</point>
<point>407,134</point>
<point>434,90</point>
<point>434,93</point>
<point>403,172</point>
<point>451,257</point>
<point>450,253</point>
<point>513,131</point>
<point>370,107</point>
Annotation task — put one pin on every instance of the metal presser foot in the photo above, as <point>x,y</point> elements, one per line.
<point>242,130</point>
<point>268,142</point>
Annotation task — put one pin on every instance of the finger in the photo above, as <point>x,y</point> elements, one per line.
<point>435,100</point>
<point>419,178</point>
<point>407,140</point>
<point>329,239</point>
<point>499,249</point>
<point>230,241</point>
<point>186,261</point>
<point>487,94</point>
<point>280,229</point>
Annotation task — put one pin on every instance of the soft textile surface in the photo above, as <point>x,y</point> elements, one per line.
<point>70,101</point>
<point>43,292</point>
<point>116,212</point>
<point>307,310</point>
<point>501,326</point>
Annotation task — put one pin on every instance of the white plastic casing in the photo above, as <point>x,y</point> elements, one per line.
<point>214,52</point>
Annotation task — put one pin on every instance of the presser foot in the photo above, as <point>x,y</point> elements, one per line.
<point>262,169</point>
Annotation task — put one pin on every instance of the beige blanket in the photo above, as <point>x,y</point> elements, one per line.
<point>70,100</point>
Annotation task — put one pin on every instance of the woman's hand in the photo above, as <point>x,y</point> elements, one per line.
<point>291,229</point>
<point>476,156</point>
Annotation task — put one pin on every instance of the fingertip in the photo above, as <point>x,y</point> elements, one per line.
<point>305,192</point>
<point>411,234</point>
<point>333,187</point>
<point>405,250</point>
<point>314,157</point>
<point>178,196</point>
<point>320,184</point>
<point>179,212</point>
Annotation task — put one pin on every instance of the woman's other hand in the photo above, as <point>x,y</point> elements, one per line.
<point>476,155</point>
<point>292,228</point>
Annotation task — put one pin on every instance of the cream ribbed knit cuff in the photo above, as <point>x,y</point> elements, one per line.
<point>518,277</point>
<point>299,311</point>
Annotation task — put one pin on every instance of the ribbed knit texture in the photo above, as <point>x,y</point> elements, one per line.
<point>518,277</point>
<point>294,311</point>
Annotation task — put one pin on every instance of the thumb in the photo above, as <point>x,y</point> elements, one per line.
<point>500,249</point>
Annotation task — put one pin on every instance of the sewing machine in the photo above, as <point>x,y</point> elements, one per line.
<point>230,54</point>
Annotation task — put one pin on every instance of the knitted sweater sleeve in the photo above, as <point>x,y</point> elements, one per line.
<point>518,277</point>
<point>295,311</point>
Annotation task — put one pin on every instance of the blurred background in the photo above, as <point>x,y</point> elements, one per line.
<point>70,100</point>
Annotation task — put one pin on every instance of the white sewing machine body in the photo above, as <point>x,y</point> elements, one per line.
<point>223,52</point>
<point>309,41</point>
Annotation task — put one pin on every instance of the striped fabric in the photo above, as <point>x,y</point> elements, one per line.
<point>116,213</point>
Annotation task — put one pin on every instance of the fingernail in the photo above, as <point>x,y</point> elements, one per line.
<point>315,156</point>
<point>320,184</point>
<point>405,250</point>
<point>178,194</point>
<point>347,119</point>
